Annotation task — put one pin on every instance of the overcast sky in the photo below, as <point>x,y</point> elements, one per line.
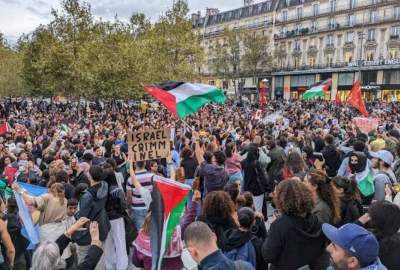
<point>23,16</point>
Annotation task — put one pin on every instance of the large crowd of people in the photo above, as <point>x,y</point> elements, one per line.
<point>302,187</point>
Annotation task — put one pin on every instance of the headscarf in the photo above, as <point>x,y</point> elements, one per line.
<point>362,162</point>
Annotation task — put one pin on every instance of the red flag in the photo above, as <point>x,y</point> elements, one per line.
<point>355,99</point>
<point>4,128</point>
<point>337,100</point>
<point>263,103</point>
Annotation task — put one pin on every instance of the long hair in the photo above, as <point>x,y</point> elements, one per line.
<point>58,190</point>
<point>327,192</point>
<point>293,198</point>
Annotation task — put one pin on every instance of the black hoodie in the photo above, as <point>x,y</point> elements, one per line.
<point>294,242</point>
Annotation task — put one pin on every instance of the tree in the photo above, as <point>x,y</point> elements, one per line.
<point>10,67</point>
<point>175,47</point>
<point>257,55</point>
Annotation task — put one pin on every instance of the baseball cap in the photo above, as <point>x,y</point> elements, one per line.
<point>354,239</point>
<point>383,155</point>
<point>386,156</point>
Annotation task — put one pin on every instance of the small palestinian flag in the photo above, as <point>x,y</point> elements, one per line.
<point>318,90</point>
<point>168,205</point>
<point>182,98</point>
<point>365,182</point>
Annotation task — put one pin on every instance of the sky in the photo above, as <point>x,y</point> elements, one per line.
<point>23,16</point>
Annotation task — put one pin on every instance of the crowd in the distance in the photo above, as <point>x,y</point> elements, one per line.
<point>304,189</point>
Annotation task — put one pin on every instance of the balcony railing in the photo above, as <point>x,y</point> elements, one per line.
<point>338,8</point>
<point>330,27</point>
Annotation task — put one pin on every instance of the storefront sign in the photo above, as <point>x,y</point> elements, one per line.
<point>149,144</point>
<point>380,62</point>
<point>366,124</point>
<point>370,88</point>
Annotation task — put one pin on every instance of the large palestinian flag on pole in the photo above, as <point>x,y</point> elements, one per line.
<point>182,98</point>
<point>168,205</point>
<point>318,90</point>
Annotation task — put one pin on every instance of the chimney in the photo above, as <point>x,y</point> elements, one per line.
<point>211,11</point>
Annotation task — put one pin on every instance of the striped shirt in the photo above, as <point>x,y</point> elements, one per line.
<point>145,179</point>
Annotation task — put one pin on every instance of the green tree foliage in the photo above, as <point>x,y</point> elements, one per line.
<point>257,53</point>
<point>79,56</point>
<point>10,66</point>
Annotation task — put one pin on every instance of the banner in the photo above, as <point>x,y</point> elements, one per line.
<point>366,124</point>
<point>149,144</point>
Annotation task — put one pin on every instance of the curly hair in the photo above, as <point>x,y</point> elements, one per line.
<point>327,192</point>
<point>218,204</point>
<point>293,198</point>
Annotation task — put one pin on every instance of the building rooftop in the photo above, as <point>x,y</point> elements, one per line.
<point>247,11</point>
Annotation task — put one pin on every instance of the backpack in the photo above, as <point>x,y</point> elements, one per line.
<point>246,253</point>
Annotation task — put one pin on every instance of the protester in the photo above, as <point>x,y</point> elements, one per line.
<point>219,213</point>
<point>386,231</point>
<point>201,243</point>
<point>295,238</point>
<point>352,247</point>
<point>47,255</point>
<point>351,208</point>
<point>327,201</point>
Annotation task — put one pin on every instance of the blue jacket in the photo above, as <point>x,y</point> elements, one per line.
<point>218,261</point>
<point>375,266</point>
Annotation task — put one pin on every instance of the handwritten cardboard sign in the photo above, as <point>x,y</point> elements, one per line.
<point>149,144</point>
<point>366,124</point>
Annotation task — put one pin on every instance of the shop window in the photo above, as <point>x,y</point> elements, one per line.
<point>302,80</point>
<point>346,78</point>
<point>369,77</point>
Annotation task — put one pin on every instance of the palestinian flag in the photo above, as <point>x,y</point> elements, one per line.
<point>318,90</point>
<point>365,182</point>
<point>168,205</point>
<point>182,98</point>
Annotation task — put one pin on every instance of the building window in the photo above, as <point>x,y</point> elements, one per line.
<point>374,2</point>
<point>396,30</point>
<point>329,60</point>
<point>349,37</point>
<point>314,26</point>
<point>391,77</point>
<point>393,54</point>
<point>284,15</point>
<point>353,3</point>
<point>348,57</point>
<point>346,78</point>
<point>296,62</point>
<point>397,13</point>
<point>332,4</point>
<point>371,34</point>
<point>296,45</point>
<point>373,15</point>
<point>329,40</point>
<point>316,9</point>
<point>370,56</point>
<point>332,23</point>
<point>299,12</point>
<point>350,20</point>
<point>311,61</point>
<point>298,28</point>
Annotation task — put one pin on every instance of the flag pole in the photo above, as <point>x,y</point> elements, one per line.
<point>186,124</point>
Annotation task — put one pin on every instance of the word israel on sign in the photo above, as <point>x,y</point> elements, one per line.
<point>149,144</point>
<point>366,124</point>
